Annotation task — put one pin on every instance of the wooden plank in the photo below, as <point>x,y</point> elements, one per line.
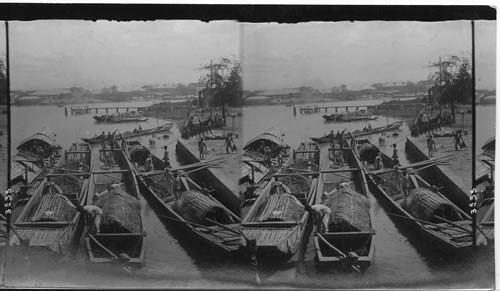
<point>111,171</point>
<point>339,235</point>
<point>265,224</point>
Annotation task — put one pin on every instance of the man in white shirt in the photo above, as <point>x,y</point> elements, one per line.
<point>321,214</point>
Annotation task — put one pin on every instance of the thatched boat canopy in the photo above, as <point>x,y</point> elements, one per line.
<point>53,206</point>
<point>139,154</point>
<point>296,183</point>
<point>368,152</point>
<point>45,137</point>
<point>281,207</point>
<point>196,207</point>
<point>423,204</point>
<point>272,136</point>
<point>350,211</point>
<point>121,213</point>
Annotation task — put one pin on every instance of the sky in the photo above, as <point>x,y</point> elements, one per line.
<point>358,54</point>
<point>61,54</point>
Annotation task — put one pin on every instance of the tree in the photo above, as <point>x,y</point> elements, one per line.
<point>223,83</point>
<point>343,88</point>
<point>3,83</point>
<point>453,81</point>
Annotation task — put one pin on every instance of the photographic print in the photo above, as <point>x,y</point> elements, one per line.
<point>366,128</point>
<point>125,153</point>
<point>248,147</point>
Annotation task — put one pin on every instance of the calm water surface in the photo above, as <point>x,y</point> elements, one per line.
<point>401,258</point>
<point>485,124</point>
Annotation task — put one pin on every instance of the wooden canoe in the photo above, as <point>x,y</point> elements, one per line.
<point>434,216</point>
<point>131,134</point>
<point>348,242</point>
<point>196,211</point>
<point>50,219</point>
<point>277,219</point>
<point>122,234</point>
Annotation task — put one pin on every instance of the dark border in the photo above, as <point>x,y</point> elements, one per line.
<point>244,13</point>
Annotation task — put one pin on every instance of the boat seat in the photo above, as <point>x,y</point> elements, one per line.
<point>302,197</point>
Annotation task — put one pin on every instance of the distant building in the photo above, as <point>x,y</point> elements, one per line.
<point>280,93</point>
<point>28,100</point>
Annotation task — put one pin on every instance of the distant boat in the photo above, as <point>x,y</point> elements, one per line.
<point>357,133</point>
<point>122,117</point>
<point>131,134</point>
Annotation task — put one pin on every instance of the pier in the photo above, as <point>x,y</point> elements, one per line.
<point>455,177</point>
<point>318,109</point>
<point>116,109</point>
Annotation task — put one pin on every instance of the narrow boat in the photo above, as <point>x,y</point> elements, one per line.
<point>196,212</point>
<point>121,235</point>
<point>132,116</point>
<point>357,133</point>
<point>348,240</point>
<point>357,115</point>
<point>277,220</point>
<point>50,218</point>
<point>392,126</point>
<point>331,117</point>
<point>131,134</point>
<point>441,222</point>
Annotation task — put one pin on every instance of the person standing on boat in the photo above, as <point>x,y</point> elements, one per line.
<point>148,165</point>
<point>395,156</point>
<point>425,122</point>
<point>166,160</point>
<point>176,185</point>
<point>431,145</point>
<point>405,182</point>
<point>369,127</point>
<point>229,142</point>
<point>123,143</point>
<point>379,164</point>
<point>332,139</point>
<point>321,215</point>
<point>397,177</point>
<point>381,139</point>
<point>202,147</point>
<point>93,215</point>
<point>140,128</point>
<point>267,155</point>
<point>457,139</point>
<point>280,157</point>
<point>110,140</point>
<point>353,140</point>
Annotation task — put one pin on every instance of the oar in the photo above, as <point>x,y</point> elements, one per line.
<point>452,223</point>
<point>115,257</point>
<point>355,268</point>
<point>200,168</point>
<point>426,222</point>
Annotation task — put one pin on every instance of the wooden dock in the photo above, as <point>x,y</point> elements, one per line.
<point>456,186</point>
<point>117,109</point>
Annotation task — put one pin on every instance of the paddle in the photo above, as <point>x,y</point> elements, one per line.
<point>115,257</point>
<point>427,222</point>
<point>354,267</point>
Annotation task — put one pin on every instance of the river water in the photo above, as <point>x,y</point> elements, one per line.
<point>485,125</point>
<point>401,258</point>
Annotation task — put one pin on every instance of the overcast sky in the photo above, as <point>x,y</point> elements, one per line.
<point>359,54</point>
<point>60,54</point>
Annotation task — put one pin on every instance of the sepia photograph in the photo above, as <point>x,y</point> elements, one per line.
<point>240,153</point>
